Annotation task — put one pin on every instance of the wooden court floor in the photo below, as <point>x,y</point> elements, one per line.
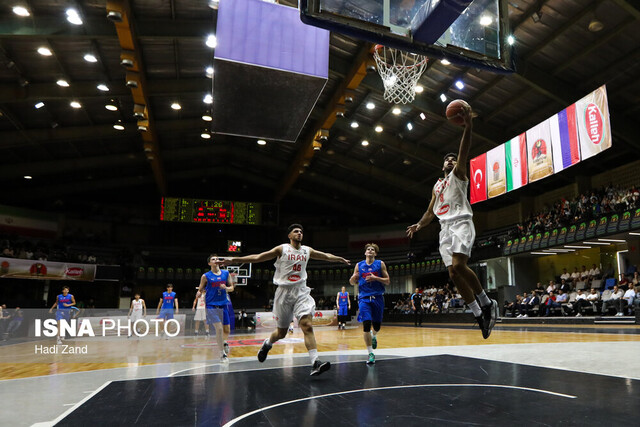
<point>20,361</point>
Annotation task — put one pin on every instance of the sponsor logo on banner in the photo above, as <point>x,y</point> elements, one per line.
<point>594,123</point>
<point>74,272</point>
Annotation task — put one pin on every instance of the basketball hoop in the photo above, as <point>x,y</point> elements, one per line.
<point>400,72</point>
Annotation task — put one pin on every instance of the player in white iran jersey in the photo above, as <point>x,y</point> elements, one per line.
<point>291,266</point>
<point>293,297</point>
<point>450,205</point>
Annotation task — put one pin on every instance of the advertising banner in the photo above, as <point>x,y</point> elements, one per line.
<point>34,269</point>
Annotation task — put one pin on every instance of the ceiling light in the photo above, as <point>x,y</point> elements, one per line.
<point>379,129</point>
<point>354,125</point>
<point>75,104</point>
<point>21,11</point>
<point>103,87</point>
<point>207,117</point>
<point>111,106</point>
<point>577,247</point>
<point>460,84</point>
<point>208,99</point>
<point>613,240</point>
<point>205,134</point>
<point>445,62</point>
<point>364,143</point>
<point>511,40</point>
<point>39,105</point>
<point>422,116</point>
<point>396,110</point>
<point>419,89</point>
<point>73,17</point>
<point>90,58</point>
<point>635,234</point>
<point>176,106</point>
<point>212,41</point>
<point>536,17</point>
<point>595,25</point>
<point>370,105</point>
<point>44,51</point>
<point>262,142</point>
<point>406,162</point>
<point>209,71</point>
<point>62,83</point>
<point>28,177</point>
<point>118,125</point>
<point>486,20</point>
<point>595,243</point>
<point>542,253</point>
<point>443,97</point>
<point>409,126</point>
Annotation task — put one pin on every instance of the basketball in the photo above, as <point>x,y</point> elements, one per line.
<point>455,111</point>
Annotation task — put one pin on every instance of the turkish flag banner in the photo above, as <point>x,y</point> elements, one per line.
<point>477,179</point>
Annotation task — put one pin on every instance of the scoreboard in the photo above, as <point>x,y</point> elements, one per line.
<point>218,211</point>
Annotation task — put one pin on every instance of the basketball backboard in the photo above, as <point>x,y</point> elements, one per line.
<point>241,273</point>
<point>467,32</point>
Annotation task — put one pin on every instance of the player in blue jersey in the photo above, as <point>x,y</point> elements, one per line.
<point>167,303</point>
<point>216,283</point>
<point>344,305</point>
<point>371,277</point>
<point>64,302</point>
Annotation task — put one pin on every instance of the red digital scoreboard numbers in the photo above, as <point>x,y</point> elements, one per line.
<point>217,211</point>
<point>234,246</point>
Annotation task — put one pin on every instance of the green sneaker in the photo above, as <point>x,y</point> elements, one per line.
<point>374,342</point>
<point>372,359</point>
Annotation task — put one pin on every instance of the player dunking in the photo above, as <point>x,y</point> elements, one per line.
<point>216,283</point>
<point>137,310</point>
<point>64,302</point>
<point>344,305</point>
<point>292,296</point>
<point>449,203</point>
<point>371,276</point>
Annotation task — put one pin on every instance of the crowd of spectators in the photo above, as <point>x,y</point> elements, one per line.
<point>587,206</point>
<point>577,293</point>
<point>433,300</point>
<point>40,250</point>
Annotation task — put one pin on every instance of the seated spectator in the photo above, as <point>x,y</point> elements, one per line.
<point>564,286</point>
<point>613,300</point>
<point>550,303</point>
<point>584,274</point>
<point>512,306</point>
<point>7,252</point>
<point>623,282</point>
<point>581,301</point>
<point>525,299</point>
<point>636,279</point>
<point>626,302</point>
<point>551,287</point>
<point>562,299</point>
<point>594,298</point>
<point>575,276</point>
<point>528,306</point>
<point>565,275</point>
<point>594,273</point>
<point>539,288</point>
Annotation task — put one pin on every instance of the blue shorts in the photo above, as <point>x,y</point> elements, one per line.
<point>371,308</point>
<point>63,313</point>
<point>343,310</point>
<point>166,314</point>
<point>214,313</point>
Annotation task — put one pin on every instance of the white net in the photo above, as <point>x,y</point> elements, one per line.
<point>400,72</point>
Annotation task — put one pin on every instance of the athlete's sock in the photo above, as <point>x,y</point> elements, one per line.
<point>374,332</point>
<point>268,342</point>
<point>370,349</point>
<point>313,355</point>
<point>477,311</point>
<point>484,299</point>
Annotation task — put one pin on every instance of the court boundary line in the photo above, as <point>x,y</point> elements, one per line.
<point>248,414</point>
<point>76,406</point>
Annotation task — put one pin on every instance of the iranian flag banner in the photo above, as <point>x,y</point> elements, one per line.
<point>516,159</point>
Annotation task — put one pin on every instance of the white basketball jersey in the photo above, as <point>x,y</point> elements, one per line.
<point>291,267</point>
<point>202,302</point>
<point>137,305</point>
<point>451,198</point>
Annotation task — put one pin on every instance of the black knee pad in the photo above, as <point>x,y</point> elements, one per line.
<point>366,326</point>
<point>376,326</point>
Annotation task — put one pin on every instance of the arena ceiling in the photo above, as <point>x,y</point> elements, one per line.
<point>75,154</point>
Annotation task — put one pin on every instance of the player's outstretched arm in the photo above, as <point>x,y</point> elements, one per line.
<point>322,256</point>
<point>264,256</point>
<point>465,145</point>
<point>426,218</point>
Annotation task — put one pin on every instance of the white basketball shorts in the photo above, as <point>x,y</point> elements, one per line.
<point>201,314</point>
<point>290,301</point>
<point>456,237</point>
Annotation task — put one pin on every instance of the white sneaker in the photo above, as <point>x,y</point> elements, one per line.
<point>525,315</point>
<point>578,315</point>
<point>519,316</point>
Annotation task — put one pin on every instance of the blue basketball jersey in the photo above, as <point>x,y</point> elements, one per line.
<point>64,300</point>
<point>167,299</point>
<point>366,289</point>
<point>343,298</point>
<point>216,295</point>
